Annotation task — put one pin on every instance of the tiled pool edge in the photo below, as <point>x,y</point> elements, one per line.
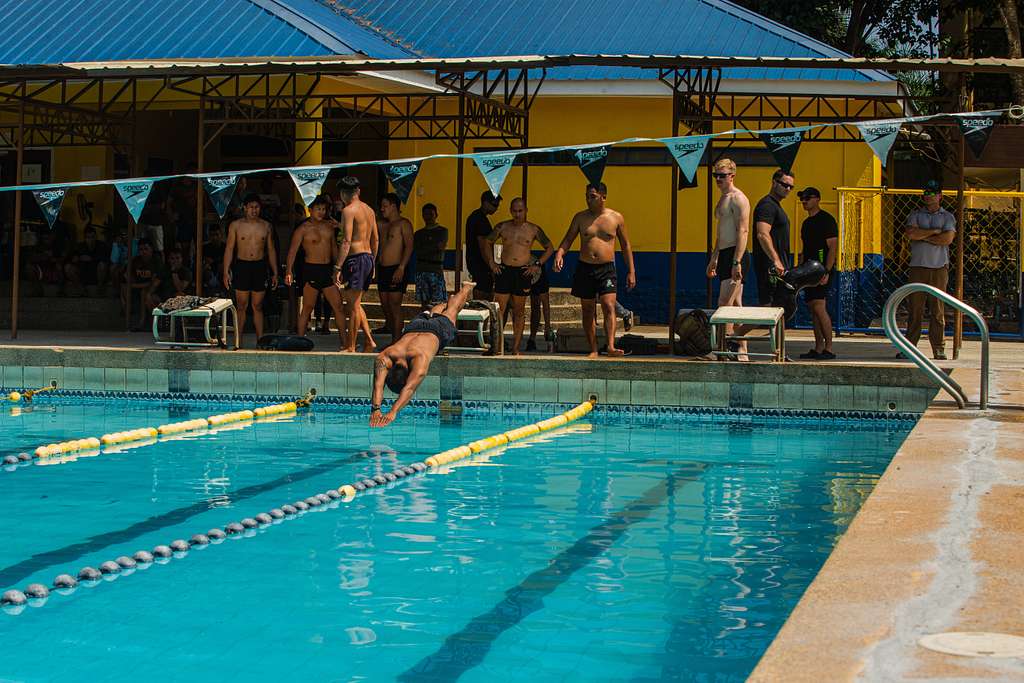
<point>936,547</point>
<point>789,386</point>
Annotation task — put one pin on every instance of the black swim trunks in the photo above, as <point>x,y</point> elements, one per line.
<point>514,280</point>
<point>594,279</point>
<point>437,324</point>
<point>249,276</point>
<point>357,270</point>
<point>724,266</point>
<point>384,276</point>
<point>319,276</point>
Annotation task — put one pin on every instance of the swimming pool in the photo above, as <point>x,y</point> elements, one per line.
<point>627,546</point>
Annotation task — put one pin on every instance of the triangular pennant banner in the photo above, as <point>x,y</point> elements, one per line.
<point>309,182</point>
<point>220,188</point>
<point>495,167</point>
<point>687,150</point>
<point>50,202</point>
<point>783,144</point>
<point>592,162</point>
<point>134,193</point>
<point>976,129</point>
<point>880,136</point>
<point>402,177</point>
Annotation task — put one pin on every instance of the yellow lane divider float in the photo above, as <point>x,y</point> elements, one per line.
<point>451,455</point>
<point>17,396</point>
<point>13,601</point>
<point>151,433</point>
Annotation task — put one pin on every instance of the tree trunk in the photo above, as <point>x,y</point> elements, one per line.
<point>1011,25</point>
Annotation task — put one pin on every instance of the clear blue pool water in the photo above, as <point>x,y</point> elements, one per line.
<point>618,549</point>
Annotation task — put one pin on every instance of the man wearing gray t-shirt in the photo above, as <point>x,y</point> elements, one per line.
<point>931,230</point>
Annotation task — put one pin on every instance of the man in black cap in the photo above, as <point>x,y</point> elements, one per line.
<point>819,234</point>
<point>478,229</point>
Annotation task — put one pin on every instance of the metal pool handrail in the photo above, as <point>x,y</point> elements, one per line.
<point>892,331</point>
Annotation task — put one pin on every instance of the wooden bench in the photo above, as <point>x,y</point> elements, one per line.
<point>772,319</point>
<point>202,315</point>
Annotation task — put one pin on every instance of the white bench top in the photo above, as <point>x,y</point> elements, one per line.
<point>474,315</point>
<point>751,315</point>
<point>204,311</point>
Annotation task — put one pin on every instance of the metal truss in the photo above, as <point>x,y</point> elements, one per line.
<point>694,94</point>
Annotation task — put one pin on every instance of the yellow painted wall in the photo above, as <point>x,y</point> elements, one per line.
<point>642,194</point>
<point>69,163</point>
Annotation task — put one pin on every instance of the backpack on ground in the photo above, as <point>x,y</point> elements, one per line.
<point>693,333</point>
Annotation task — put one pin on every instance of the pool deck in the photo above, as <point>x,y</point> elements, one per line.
<point>937,547</point>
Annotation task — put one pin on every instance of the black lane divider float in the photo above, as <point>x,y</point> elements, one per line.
<point>115,442</point>
<point>14,601</point>
<point>18,572</point>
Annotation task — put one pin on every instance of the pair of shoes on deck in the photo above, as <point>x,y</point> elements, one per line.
<point>817,355</point>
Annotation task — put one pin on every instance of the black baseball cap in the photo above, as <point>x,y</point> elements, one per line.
<point>809,192</point>
<point>932,187</point>
<point>490,197</point>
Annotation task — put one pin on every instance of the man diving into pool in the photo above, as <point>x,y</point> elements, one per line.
<point>403,365</point>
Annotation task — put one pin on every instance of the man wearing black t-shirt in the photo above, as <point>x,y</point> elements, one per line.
<point>478,228</point>
<point>771,228</point>
<point>820,237</point>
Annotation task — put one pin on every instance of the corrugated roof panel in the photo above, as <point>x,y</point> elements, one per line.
<point>54,31</point>
<point>466,28</point>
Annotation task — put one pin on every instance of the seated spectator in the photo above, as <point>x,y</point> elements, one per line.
<point>151,228</point>
<point>177,278</point>
<point>213,249</point>
<point>145,284</point>
<point>45,265</point>
<point>89,262</point>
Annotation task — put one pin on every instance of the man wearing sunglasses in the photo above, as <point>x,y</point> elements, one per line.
<point>729,258</point>
<point>931,230</point>
<point>771,230</point>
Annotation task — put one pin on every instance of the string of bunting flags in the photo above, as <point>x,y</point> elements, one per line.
<point>687,150</point>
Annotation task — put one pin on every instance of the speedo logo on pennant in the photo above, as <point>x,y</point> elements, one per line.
<point>785,139</point>
<point>881,131</point>
<point>978,123</point>
<point>137,189</point>
<point>221,183</point>
<point>591,155</point>
<point>684,148</point>
<point>51,194</point>
<point>494,163</point>
<point>402,171</point>
<point>311,176</point>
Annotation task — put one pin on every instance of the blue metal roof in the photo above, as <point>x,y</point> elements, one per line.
<point>54,31</point>
<point>470,28</point>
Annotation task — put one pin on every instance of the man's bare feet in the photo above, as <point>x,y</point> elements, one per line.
<point>615,353</point>
<point>592,354</point>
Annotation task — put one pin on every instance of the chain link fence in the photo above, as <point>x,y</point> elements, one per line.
<point>874,255</point>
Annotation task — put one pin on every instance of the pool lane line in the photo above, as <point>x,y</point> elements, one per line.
<point>90,446</point>
<point>13,601</point>
<point>21,570</point>
<point>468,647</point>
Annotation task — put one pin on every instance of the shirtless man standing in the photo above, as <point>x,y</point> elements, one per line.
<point>729,258</point>
<point>249,236</point>
<point>403,365</point>
<point>518,270</point>
<point>595,278</point>
<point>354,267</point>
<point>393,257</point>
<point>316,236</point>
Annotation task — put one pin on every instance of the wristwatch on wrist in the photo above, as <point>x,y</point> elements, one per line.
<point>374,408</point>
<point>735,262</point>
<point>337,267</point>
